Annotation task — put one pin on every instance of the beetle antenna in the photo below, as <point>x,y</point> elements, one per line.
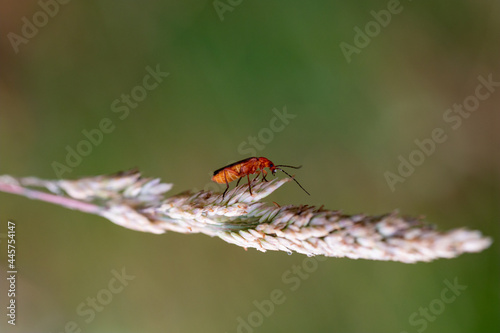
<point>293,178</point>
<point>289,166</point>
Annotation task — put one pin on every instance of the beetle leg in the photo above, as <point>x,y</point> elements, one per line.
<point>264,173</point>
<point>227,186</point>
<point>249,184</point>
<point>257,176</point>
<point>238,182</point>
<point>223,194</point>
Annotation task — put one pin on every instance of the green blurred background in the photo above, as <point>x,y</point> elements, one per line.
<point>352,121</point>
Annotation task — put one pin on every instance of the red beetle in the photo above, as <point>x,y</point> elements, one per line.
<point>246,167</point>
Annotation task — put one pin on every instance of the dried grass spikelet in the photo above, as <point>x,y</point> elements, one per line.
<point>140,204</point>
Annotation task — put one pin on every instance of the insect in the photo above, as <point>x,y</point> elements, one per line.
<point>246,167</point>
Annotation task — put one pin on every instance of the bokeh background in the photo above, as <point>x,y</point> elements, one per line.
<point>227,72</point>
